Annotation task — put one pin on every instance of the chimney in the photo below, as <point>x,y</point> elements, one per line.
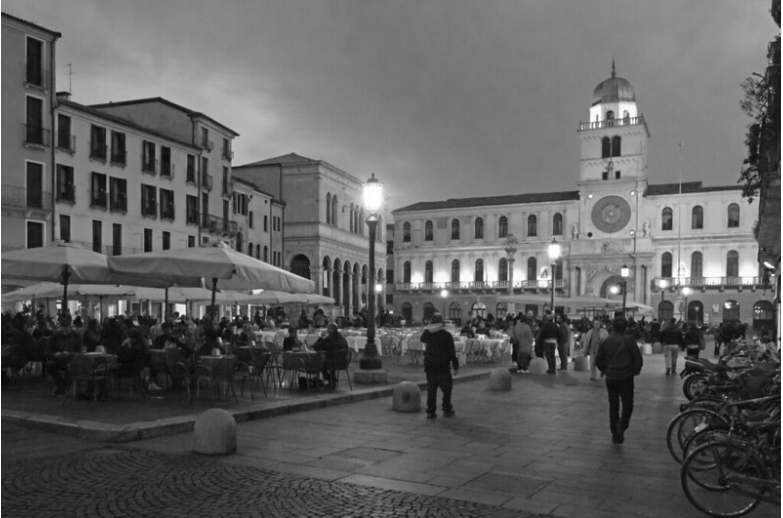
<point>63,96</point>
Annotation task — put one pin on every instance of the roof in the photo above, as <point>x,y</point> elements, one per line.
<point>31,24</point>
<point>161,100</point>
<point>290,158</point>
<point>613,90</point>
<point>120,120</point>
<point>511,199</point>
<point>668,189</point>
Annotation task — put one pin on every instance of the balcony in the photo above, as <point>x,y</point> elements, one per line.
<point>118,202</point>
<point>99,199</point>
<point>207,144</point>
<point>167,170</point>
<point>22,198</point>
<point>228,154</point>
<point>119,157</point>
<point>36,135</point>
<point>611,123</point>
<point>99,151</point>
<point>499,286</point>
<point>705,283</point>
<point>149,166</point>
<point>218,225</point>
<point>67,193</point>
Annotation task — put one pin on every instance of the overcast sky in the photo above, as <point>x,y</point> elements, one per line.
<point>438,98</point>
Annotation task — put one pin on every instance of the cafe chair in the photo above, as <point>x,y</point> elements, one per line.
<point>220,372</point>
<point>14,361</point>
<point>36,357</point>
<point>275,360</point>
<point>244,370</point>
<point>471,349</point>
<point>158,366</point>
<point>180,369</point>
<point>88,371</point>
<point>133,375</point>
<point>387,345</point>
<point>260,362</point>
<point>415,350</point>
<point>341,363</point>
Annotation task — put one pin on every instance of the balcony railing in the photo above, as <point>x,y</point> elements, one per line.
<point>167,170</point>
<point>22,198</point>
<point>611,123</point>
<point>66,193</point>
<point>66,142</point>
<point>480,285</point>
<point>98,199</point>
<point>149,166</point>
<point>218,225</point>
<point>118,202</point>
<point>119,157</point>
<point>207,144</point>
<point>99,151</point>
<point>673,283</point>
<point>37,135</point>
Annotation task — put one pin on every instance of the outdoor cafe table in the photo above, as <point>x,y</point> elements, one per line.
<point>305,362</point>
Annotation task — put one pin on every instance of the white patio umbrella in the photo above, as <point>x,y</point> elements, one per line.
<point>226,268</point>
<point>278,297</point>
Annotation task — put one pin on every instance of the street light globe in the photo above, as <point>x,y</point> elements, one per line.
<point>554,250</point>
<point>378,288</point>
<point>686,291</point>
<point>614,290</point>
<point>373,194</point>
<point>625,272</point>
<point>444,293</point>
<point>662,284</point>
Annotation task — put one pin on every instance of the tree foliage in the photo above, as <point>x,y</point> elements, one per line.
<point>755,104</point>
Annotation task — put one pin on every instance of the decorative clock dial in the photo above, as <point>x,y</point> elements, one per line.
<point>611,214</point>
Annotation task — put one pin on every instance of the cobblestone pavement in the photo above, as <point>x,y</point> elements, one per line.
<point>116,482</point>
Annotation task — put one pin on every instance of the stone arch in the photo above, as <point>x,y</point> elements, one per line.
<point>300,265</point>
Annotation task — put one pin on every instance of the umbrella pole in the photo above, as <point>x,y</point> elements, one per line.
<point>66,275</point>
<point>165,305</point>
<point>212,307</point>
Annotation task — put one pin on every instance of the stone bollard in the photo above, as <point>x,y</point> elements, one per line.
<point>537,366</point>
<point>406,397</point>
<point>215,433</point>
<point>500,379</point>
<point>657,348</point>
<point>582,363</point>
<point>647,349</point>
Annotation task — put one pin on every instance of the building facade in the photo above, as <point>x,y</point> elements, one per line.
<point>689,248</point>
<point>325,232</point>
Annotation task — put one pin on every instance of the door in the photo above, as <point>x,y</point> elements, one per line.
<point>34,185</point>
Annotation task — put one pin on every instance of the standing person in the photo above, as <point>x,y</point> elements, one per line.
<point>620,360</point>
<point>332,343</point>
<point>671,338</point>
<point>564,338</point>
<point>693,338</point>
<point>438,357</point>
<point>548,338</point>
<point>524,335</point>
<point>591,341</point>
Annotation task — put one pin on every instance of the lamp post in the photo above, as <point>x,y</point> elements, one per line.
<point>685,291</point>
<point>510,246</point>
<point>625,272</point>
<point>554,255</point>
<point>370,365</point>
<point>444,294</point>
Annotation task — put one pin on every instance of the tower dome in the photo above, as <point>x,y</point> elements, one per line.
<point>612,90</point>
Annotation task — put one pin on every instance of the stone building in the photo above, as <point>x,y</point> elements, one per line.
<point>689,248</point>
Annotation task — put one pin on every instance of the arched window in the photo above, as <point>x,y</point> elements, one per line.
<point>428,271</point>
<point>732,264</point>
<point>250,249</point>
<point>666,265</point>
<point>610,115</point>
<point>695,311</point>
<point>532,225</point>
<point>352,219</point>
<point>406,232</point>
<point>479,234</point>
<point>501,310</point>
<point>667,219</point>
<point>406,271</point>
<point>455,270</point>
<point>731,311</point>
<point>763,316</point>
<point>407,311</point>
<point>428,231</point>
<point>266,254</point>
<point>258,251</point>
<point>532,266</point>
<point>616,146</point>
<point>503,270</point>
<point>557,224</point>
<point>697,217</point>
<point>478,309</point>
<point>606,147</point>
<point>334,210</point>
<point>454,229</point>
<point>250,219</point>
<point>266,223</point>
<point>503,226</point>
<point>479,274</point>
<point>328,208</point>
<point>455,312</point>
<point>696,265</point>
<point>734,215</point>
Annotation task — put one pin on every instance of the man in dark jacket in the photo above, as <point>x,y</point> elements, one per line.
<point>439,356</point>
<point>548,338</point>
<point>620,360</point>
<point>672,340</point>
<point>331,344</point>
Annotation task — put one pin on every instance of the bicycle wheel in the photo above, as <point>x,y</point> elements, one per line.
<point>694,386</point>
<point>715,477</point>
<point>683,425</point>
<point>716,431</point>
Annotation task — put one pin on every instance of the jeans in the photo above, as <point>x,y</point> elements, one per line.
<point>442,380</point>
<point>562,351</point>
<point>549,354</point>
<point>670,352</point>
<point>620,391</point>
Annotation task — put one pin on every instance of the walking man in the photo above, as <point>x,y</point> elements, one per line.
<point>548,337</point>
<point>620,360</point>
<point>439,356</point>
<point>671,338</point>
<point>591,341</point>
<point>524,336</point>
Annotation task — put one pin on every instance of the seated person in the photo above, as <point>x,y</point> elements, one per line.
<point>332,343</point>
<point>292,342</point>
<point>62,344</point>
<point>133,356</point>
<point>169,340</point>
<point>91,337</point>
<point>467,331</point>
<point>211,341</point>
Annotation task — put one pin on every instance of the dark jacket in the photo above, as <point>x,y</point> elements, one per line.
<point>331,344</point>
<point>439,352</point>
<point>619,357</point>
<point>549,331</point>
<point>671,335</point>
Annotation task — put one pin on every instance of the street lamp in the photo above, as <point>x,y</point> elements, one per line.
<point>444,294</point>
<point>686,291</point>
<point>554,255</point>
<point>371,360</point>
<point>625,272</point>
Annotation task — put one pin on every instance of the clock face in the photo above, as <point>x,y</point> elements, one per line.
<point>611,214</point>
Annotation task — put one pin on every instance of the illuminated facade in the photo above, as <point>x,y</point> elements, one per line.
<point>689,248</point>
